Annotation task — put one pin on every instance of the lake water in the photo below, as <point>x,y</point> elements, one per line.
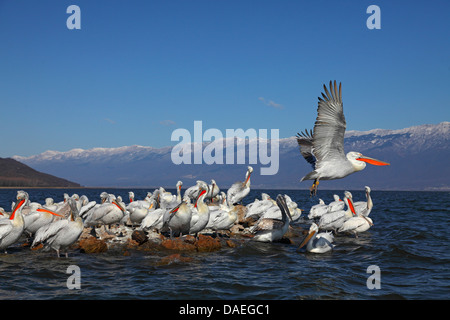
<point>409,243</point>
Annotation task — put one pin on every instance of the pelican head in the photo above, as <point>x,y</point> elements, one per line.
<point>103,196</point>
<point>367,189</point>
<point>348,198</point>
<point>313,229</point>
<point>359,161</point>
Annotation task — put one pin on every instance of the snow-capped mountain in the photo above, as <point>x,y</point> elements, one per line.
<point>418,156</point>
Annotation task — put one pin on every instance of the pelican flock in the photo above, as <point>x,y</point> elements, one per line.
<point>265,219</point>
<point>205,208</point>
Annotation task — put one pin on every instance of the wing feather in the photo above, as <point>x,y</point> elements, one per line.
<point>330,125</point>
<point>305,143</point>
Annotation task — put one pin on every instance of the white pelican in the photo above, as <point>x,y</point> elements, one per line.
<point>39,218</point>
<point>317,243</point>
<point>191,193</point>
<point>153,220</point>
<point>200,212</point>
<point>138,209</point>
<point>61,234</point>
<point>336,205</point>
<point>239,190</point>
<point>268,230</point>
<point>324,147</point>
<point>12,228</point>
<point>258,207</point>
<point>223,218</point>
<point>356,224</point>
<point>335,219</point>
<point>178,219</point>
<point>364,207</point>
<point>318,210</point>
<point>213,190</point>
<point>109,212</point>
<point>50,205</point>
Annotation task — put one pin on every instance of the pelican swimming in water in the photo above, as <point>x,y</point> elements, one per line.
<point>317,242</point>
<point>333,220</point>
<point>11,228</point>
<point>323,148</point>
<point>239,190</point>
<point>61,234</point>
<point>318,210</point>
<point>268,230</point>
<point>364,207</point>
<point>356,224</point>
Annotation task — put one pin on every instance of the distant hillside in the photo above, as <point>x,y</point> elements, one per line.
<point>16,174</point>
<point>418,156</point>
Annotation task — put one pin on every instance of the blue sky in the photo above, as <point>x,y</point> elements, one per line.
<point>137,70</point>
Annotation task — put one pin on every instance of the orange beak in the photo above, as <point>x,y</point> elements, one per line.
<point>306,240</point>
<point>373,161</point>
<point>350,205</point>
<point>17,206</point>
<point>48,211</point>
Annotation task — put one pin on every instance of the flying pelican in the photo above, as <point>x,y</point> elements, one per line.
<point>356,224</point>
<point>11,228</point>
<point>239,190</point>
<point>61,234</point>
<point>323,148</point>
<point>268,230</point>
<point>317,242</point>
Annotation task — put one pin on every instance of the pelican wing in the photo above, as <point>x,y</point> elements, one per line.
<point>5,227</point>
<point>329,128</point>
<point>305,143</point>
<point>49,230</point>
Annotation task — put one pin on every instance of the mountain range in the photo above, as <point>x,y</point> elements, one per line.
<point>419,158</point>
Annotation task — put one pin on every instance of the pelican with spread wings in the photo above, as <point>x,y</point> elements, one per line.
<point>323,147</point>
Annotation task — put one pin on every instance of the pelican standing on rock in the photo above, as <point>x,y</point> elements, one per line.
<point>178,220</point>
<point>39,218</point>
<point>200,211</point>
<point>323,148</point>
<point>11,228</point>
<point>61,234</point>
<point>239,190</point>
<point>107,213</point>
